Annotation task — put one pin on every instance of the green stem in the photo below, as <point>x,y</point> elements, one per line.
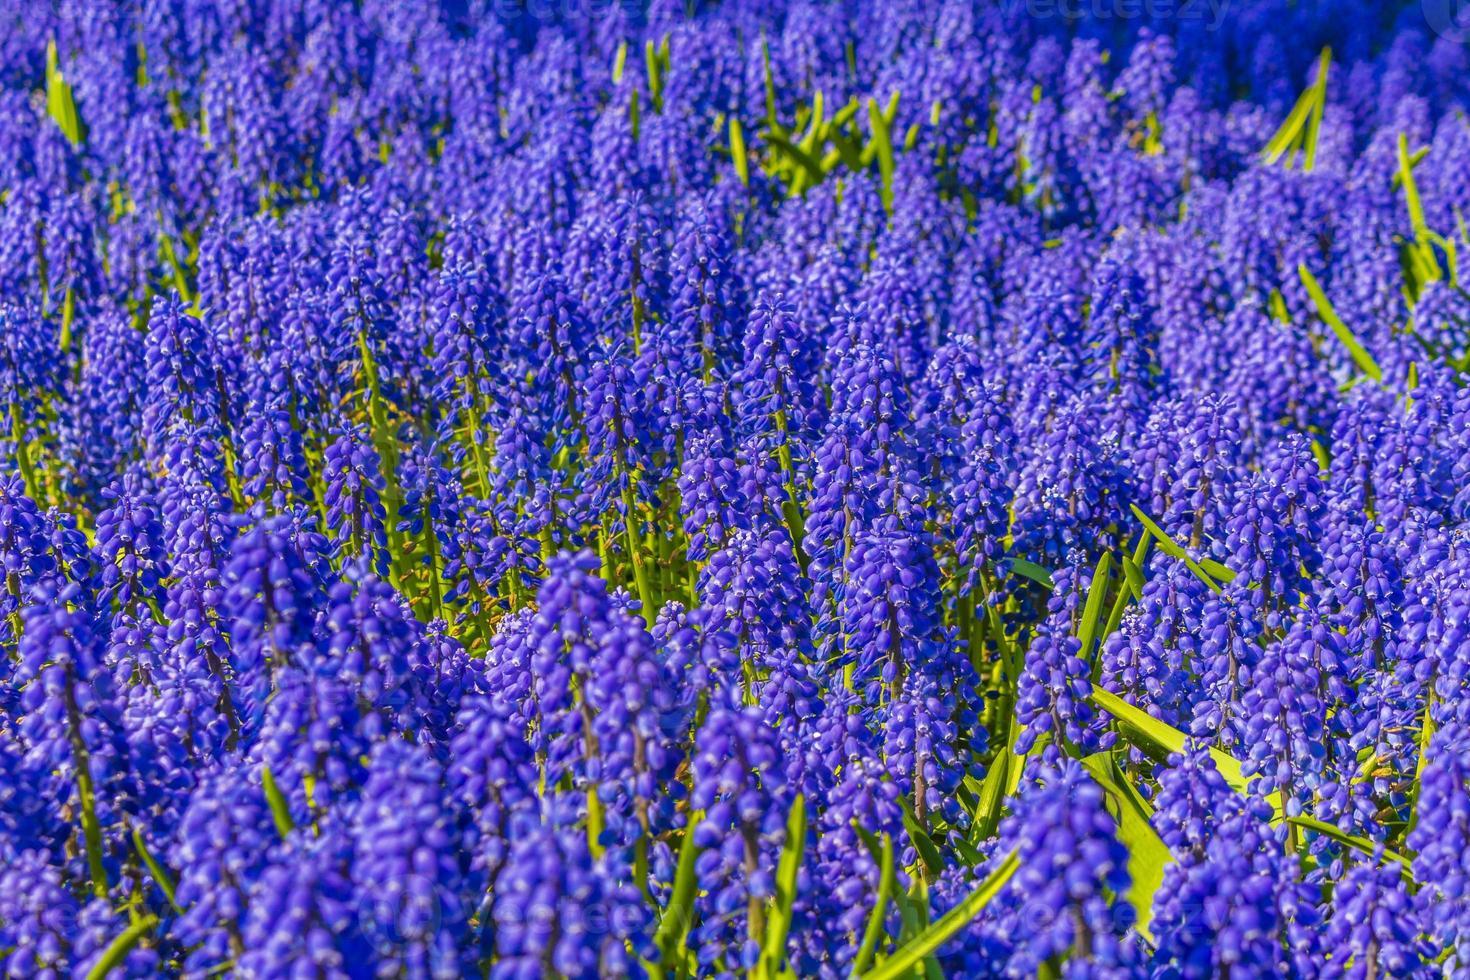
<point>635,552</point>
<point>119,948</point>
<point>23,453</point>
<point>91,832</point>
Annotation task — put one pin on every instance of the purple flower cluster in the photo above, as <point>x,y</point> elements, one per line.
<point>662,489</point>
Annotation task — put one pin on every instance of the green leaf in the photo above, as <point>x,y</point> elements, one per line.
<point>596,822</point>
<point>882,144</point>
<point>1452,255</point>
<point>1158,739</point>
<point>1148,855</point>
<point>797,155</point>
<point>923,843</point>
<point>1371,848</point>
<point>119,948</point>
<point>1426,738</point>
<point>1319,105</point>
<point>903,961</point>
<point>161,877</point>
<point>1031,570</point>
<point>1302,125</point>
<point>386,441</point>
<point>678,916</point>
<point>738,152</point>
<point>280,810</point>
<point>817,126</point>
<point>59,102</point>
<point>1133,575</point>
<point>1413,160</point>
<point>874,929</point>
<point>1129,590</point>
<point>181,274</point>
<point>1424,264</point>
<point>870,840</point>
<point>91,829</point>
<point>68,317</point>
<point>778,925</point>
<point>1411,189</point>
<point>1360,355</point>
<point>919,902</point>
<point>1217,570</point>
<point>1277,304</point>
<point>1087,628</point>
<point>890,111</point>
<point>967,851</point>
<point>21,441</point>
<point>655,58</point>
<point>1173,549</point>
<point>1286,134</point>
<point>770,83</point>
<point>846,114</point>
<point>620,62</point>
<point>993,793</point>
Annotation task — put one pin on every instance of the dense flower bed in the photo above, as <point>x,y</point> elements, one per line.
<point>888,489</point>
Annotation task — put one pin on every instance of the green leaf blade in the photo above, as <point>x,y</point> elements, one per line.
<point>778,925</point>
<point>1092,611</point>
<point>280,809</point>
<point>1325,310</point>
<point>678,915</point>
<point>118,950</point>
<point>923,945</point>
<point>1148,855</point>
<point>873,931</point>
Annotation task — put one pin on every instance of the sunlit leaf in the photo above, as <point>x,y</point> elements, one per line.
<point>927,942</point>
<point>1359,354</point>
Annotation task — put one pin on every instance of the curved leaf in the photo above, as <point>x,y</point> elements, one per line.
<point>1329,316</point>
<point>280,809</point>
<point>1174,549</point>
<point>738,152</point>
<point>60,104</point>
<point>925,943</point>
<point>1092,611</point>
<point>1031,570</point>
<point>874,928</point>
<point>1158,739</point>
<point>119,948</point>
<point>1148,855</point>
<point>1363,844</point>
<point>678,916</point>
<point>778,925</point>
<point>161,877</point>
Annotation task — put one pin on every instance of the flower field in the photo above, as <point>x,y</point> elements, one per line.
<point>770,490</point>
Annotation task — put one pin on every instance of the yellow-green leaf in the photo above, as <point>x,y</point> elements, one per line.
<point>280,810</point>
<point>913,952</point>
<point>1148,855</point>
<point>778,925</point>
<point>1359,354</point>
